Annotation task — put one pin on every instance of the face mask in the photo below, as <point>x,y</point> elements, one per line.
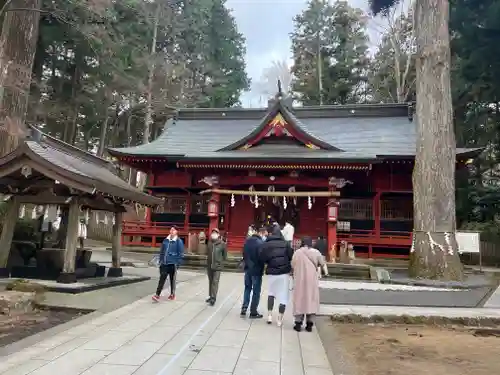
<point>264,238</point>
<point>214,236</point>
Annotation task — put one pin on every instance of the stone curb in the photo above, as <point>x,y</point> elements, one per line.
<point>417,319</point>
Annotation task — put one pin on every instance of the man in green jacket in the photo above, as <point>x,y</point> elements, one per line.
<point>216,255</point>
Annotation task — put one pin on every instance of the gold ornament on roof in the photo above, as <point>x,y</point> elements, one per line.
<point>278,121</point>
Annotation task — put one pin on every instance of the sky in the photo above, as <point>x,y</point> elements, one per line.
<point>266,25</point>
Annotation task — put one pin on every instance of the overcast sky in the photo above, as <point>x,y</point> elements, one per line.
<point>266,25</point>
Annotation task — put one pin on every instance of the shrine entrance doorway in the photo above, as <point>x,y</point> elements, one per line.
<point>270,209</point>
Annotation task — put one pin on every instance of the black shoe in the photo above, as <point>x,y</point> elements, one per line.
<point>212,302</point>
<point>309,326</point>
<point>256,316</point>
<point>208,299</point>
<point>298,326</point>
<point>243,313</point>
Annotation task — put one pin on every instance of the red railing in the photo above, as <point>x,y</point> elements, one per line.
<point>370,237</point>
<point>150,234</point>
<point>136,233</point>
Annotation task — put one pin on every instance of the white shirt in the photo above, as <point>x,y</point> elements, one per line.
<point>288,232</point>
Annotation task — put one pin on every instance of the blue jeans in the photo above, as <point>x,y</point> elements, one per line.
<point>253,285</point>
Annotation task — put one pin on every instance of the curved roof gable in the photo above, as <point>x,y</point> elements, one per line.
<point>280,122</point>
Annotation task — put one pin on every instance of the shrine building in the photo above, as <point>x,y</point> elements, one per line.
<point>343,172</point>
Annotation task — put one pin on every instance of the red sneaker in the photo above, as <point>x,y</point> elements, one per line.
<point>155,298</point>
<point>171,297</point>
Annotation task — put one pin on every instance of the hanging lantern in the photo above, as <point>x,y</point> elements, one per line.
<point>213,208</point>
<point>284,203</point>
<point>233,202</point>
<point>309,203</point>
<point>333,207</point>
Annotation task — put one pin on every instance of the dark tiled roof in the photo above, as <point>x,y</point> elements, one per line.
<point>360,131</point>
<point>87,171</point>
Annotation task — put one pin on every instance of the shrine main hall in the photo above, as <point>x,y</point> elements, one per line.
<point>342,172</point>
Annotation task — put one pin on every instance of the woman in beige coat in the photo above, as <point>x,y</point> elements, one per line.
<point>305,263</point>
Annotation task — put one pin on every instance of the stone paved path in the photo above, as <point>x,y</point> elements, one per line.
<point>172,338</point>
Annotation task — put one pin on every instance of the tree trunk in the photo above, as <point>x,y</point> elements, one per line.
<point>434,252</point>
<point>148,119</point>
<point>71,129</point>
<point>17,53</point>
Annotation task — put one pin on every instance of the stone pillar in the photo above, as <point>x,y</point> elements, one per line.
<point>116,247</point>
<point>9,224</point>
<point>67,275</point>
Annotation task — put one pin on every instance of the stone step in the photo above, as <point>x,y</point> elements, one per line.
<point>336,270</point>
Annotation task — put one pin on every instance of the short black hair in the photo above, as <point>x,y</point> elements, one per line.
<point>306,241</point>
<point>273,229</point>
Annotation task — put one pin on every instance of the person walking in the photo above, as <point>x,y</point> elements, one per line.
<point>305,263</point>
<point>288,233</point>
<point>216,255</point>
<point>254,270</point>
<point>171,254</point>
<point>276,254</point>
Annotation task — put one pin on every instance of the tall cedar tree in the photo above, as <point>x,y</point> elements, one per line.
<point>434,252</point>
<point>329,46</point>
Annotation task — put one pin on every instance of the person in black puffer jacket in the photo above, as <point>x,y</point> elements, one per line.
<point>277,254</point>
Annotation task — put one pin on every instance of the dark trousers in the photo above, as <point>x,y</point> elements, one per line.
<point>169,270</point>
<point>213,283</point>
<point>253,286</point>
<point>300,318</point>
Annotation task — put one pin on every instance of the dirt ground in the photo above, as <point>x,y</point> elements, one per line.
<point>389,349</point>
<point>14,328</point>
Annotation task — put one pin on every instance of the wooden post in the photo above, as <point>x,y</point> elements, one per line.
<point>187,214</point>
<point>376,213</point>
<point>214,220</point>
<point>116,247</point>
<point>332,241</point>
<point>376,219</point>
<point>68,275</point>
<point>9,225</point>
<point>227,216</point>
<point>331,238</point>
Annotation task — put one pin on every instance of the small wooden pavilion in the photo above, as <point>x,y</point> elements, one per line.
<point>45,171</point>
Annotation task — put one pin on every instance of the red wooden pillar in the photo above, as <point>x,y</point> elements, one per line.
<point>213,212</point>
<point>148,211</point>
<point>332,215</point>
<point>332,240</point>
<point>376,219</point>
<point>227,216</point>
<point>187,214</point>
<point>150,180</point>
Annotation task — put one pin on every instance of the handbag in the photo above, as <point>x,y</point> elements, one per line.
<point>155,261</point>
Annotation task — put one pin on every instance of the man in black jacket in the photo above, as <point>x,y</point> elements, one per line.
<point>254,270</point>
<point>277,254</point>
